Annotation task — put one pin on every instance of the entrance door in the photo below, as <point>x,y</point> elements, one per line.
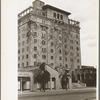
<point>23,83</point>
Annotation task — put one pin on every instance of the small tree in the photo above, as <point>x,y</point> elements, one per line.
<point>42,76</point>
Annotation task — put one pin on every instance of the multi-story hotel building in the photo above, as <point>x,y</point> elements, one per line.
<point>46,34</point>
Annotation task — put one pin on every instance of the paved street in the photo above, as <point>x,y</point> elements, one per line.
<point>73,94</point>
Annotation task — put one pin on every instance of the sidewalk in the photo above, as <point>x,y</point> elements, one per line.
<point>56,92</point>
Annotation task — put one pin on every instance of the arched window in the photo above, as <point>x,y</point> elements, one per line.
<point>57,16</point>
<point>54,15</point>
<point>61,17</point>
<point>43,42</point>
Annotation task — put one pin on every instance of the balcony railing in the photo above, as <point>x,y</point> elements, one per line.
<point>26,11</point>
<point>33,11</point>
<point>73,22</point>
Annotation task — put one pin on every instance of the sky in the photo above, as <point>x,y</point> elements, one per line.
<point>84,11</point>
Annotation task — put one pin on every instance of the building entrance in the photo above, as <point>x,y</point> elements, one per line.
<point>23,83</point>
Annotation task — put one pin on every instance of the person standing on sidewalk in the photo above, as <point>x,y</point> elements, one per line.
<point>65,81</point>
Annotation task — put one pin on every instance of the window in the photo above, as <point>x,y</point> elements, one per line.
<point>18,58</point>
<point>77,48</point>
<point>52,64</point>
<point>77,54</point>
<point>65,52</point>
<point>23,42</point>
<point>35,33</point>
<point>18,65</point>
<point>60,51</point>
<point>18,37</point>
<point>60,58</point>
<point>60,38</point>
<point>78,67</point>
<point>51,57</point>
<point>72,60</point>
<point>23,29</point>
<point>51,43</point>
<point>60,64</point>
<point>35,48</point>
<point>22,64</point>
<point>71,47</point>
<point>71,41</point>
<point>66,65</point>
<point>65,59</point>
<point>22,49</point>
<point>78,60</point>
<point>76,42</point>
<point>43,13</point>
<point>72,66</point>
<point>71,54</point>
<point>27,63</point>
<point>27,56</point>
<point>51,50</point>
<point>18,51</point>
<point>35,63</point>
<point>65,40</point>
<point>44,49</point>
<point>54,15</point>
<point>27,41</point>
<point>61,17</point>
<point>43,35</point>
<point>19,44</point>
<point>35,40</point>
<point>43,42</point>
<point>65,46</point>
<point>35,55</point>
<point>18,30</point>
<point>51,37</point>
<point>44,56</point>
<point>27,48</point>
<point>23,35</point>
<point>57,16</point>
<point>76,36</point>
<point>22,57</point>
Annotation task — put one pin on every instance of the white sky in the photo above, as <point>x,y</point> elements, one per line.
<point>85,11</point>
